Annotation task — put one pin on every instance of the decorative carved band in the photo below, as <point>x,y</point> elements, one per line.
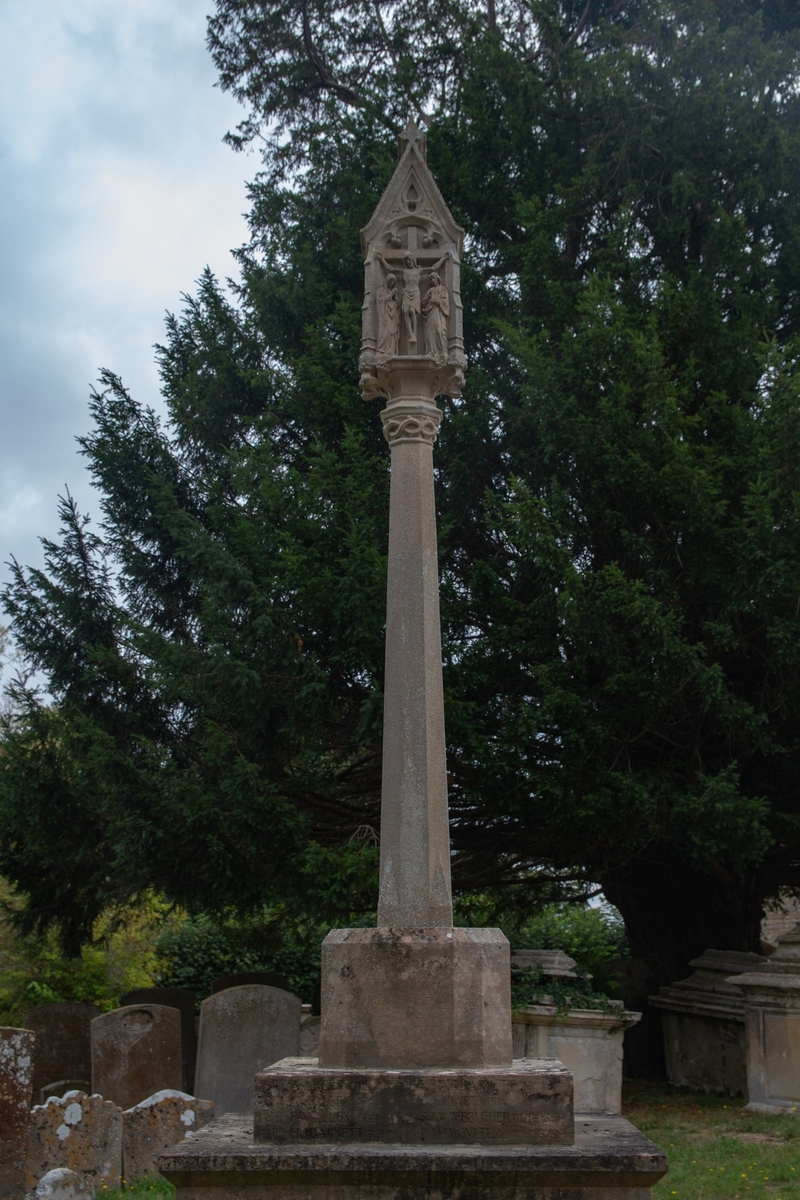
<point>411,423</point>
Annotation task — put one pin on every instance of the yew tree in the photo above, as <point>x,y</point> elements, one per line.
<point>618,489</point>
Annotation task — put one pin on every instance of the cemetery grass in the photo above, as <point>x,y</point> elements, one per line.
<point>716,1150</point>
<point>152,1187</point>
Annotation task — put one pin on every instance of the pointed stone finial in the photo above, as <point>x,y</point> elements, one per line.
<point>412,133</point>
<point>412,340</point>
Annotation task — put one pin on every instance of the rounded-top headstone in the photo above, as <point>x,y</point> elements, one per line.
<point>185,1000</point>
<point>242,1030</point>
<point>241,978</point>
<point>136,1051</point>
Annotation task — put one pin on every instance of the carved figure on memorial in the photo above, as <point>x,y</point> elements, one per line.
<point>435,311</point>
<point>412,248</point>
<point>388,319</point>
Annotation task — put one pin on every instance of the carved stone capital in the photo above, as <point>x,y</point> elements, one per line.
<point>411,421</point>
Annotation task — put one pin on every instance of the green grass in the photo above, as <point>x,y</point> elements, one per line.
<point>151,1188</point>
<point>716,1150</point>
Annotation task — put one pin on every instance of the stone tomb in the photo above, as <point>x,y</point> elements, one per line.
<point>136,1051</point>
<point>159,1122</point>
<point>185,1001</point>
<point>17,1048</point>
<point>414,1093</point>
<point>587,1041</point>
<point>82,1133</point>
<point>772,1028</point>
<point>63,1045</point>
<point>703,1021</point>
<point>242,1030</point>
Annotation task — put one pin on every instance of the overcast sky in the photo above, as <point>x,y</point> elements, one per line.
<point>116,192</point>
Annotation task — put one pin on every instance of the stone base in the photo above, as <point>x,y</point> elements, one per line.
<point>529,1103</point>
<point>410,998</point>
<point>610,1160</point>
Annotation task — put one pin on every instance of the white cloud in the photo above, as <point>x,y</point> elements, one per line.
<point>117,193</point>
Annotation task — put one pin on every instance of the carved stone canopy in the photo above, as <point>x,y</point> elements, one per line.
<point>412,341</point>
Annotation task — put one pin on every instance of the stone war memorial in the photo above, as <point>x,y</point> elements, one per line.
<point>415,1092</point>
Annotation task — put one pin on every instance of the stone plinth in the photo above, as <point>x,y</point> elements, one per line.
<point>587,1041</point>
<point>408,998</point>
<point>703,1023</point>
<point>772,1028</point>
<point>609,1160</point>
<point>529,1103</point>
<point>17,1049</point>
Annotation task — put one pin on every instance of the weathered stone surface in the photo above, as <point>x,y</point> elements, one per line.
<point>240,978</point>
<point>80,1132</point>
<point>554,964</point>
<point>772,1028</point>
<point>185,1001</point>
<point>61,1087</point>
<point>63,1184</point>
<point>609,1160</point>
<point>587,1042</point>
<point>159,1122</point>
<point>17,1049</point>
<point>529,1103</point>
<point>136,1051</point>
<point>243,1030</point>
<point>703,1021</point>
<point>309,1035</point>
<point>413,998</point>
<point>63,1042</point>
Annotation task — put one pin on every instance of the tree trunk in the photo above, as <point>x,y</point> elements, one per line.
<point>673,913</point>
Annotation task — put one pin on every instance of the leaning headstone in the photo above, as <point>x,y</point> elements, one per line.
<point>63,1042</point>
<point>17,1048</point>
<point>63,1184</point>
<point>159,1122</point>
<point>82,1133</point>
<point>136,1051</point>
<point>185,1001</point>
<point>267,978</point>
<point>243,1030</point>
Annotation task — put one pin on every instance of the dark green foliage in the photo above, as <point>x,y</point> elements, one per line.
<point>200,950</point>
<point>618,491</point>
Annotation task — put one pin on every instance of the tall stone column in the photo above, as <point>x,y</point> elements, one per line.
<point>415,835</point>
<point>415,992</point>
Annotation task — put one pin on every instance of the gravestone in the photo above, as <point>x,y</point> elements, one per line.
<point>82,1133</point>
<point>240,978</point>
<point>136,1051</point>
<point>63,1043</point>
<point>63,1184</point>
<point>159,1122</point>
<point>17,1049</point>
<point>185,1001</point>
<point>703,1020</point>
<point>309,1035</point>
<point>414,1093</point>
<point>243,1030</point>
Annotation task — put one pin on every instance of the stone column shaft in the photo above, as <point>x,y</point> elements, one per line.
<point>415,838</point>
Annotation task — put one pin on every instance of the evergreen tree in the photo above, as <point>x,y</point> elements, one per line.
<point>618,491</point>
